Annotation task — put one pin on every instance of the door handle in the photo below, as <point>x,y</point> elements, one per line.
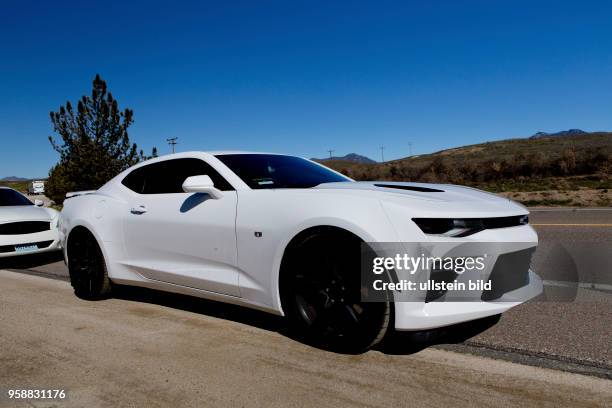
<point>141,209</point>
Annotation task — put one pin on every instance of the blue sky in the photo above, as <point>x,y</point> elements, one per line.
<point>303,77</point>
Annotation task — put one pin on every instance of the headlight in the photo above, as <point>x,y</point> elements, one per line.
<point>55,222</point>
<point>462,227</point>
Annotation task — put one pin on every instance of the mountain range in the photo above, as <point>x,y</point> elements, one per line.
<point>569,132</point>
<point>354,158</point>
<point>14,178</point>
<point>351,157</point>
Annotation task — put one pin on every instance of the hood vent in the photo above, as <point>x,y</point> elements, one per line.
<point>410,188</point>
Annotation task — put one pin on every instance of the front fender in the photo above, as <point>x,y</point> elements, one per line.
<point>285,216</point>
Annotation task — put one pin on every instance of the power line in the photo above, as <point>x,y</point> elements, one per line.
<point>330,153</point>
<point>410,148</point>
<point>172,142</point>
<point>382,154</point>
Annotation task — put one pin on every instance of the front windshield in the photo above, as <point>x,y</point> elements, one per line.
<point>261,171</point>
<point>10,197</point>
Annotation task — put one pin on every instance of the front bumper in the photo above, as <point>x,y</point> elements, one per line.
<point>46,241</point>
<point>434,314</point>
<point>423,316</point>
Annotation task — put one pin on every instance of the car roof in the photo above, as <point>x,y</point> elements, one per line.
<point>192,154</point>
<point>226,152</point>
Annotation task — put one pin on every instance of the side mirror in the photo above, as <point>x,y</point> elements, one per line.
<point>201,184</point>
<point>39,203</point>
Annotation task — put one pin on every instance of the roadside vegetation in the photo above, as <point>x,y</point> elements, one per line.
<point>568,170</point>
<point>21,186</point>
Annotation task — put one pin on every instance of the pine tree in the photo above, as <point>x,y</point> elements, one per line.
<point>93,144</point>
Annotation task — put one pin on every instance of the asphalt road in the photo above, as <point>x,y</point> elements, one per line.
<point>575,241</point>
<point>570,328</point>
<point>574,325</point>
<point>135,352</point>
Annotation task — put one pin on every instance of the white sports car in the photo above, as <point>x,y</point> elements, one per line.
<point>26,227</point>
<point>281,234</point>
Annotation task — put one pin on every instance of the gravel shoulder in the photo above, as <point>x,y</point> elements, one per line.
<point>121,352</point>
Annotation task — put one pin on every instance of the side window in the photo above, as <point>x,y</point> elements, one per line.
<point>167,177</point>
<point>135,180</point>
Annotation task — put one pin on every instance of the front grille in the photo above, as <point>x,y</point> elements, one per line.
<point>11,248</point>
<point>505,222</point>
<point>24,227</point>
<point>511,271</point>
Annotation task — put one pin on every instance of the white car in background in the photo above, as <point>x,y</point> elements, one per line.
<point>26,227</point>
<point>280,234</point>
<point>36,187</point>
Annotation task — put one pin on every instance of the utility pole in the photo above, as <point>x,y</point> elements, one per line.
<point>410,148</point>
<point>172,142</point>
<point>382,154</point>
<point>330,153</point>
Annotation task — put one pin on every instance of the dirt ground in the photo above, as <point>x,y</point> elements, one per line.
<point>127,353</point>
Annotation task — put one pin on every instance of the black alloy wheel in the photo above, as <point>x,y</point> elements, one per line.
<point>88,274</point>
<point>321,289</point>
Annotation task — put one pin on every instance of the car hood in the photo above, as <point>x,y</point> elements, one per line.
<point>25,213</point>
<point>432,199</point>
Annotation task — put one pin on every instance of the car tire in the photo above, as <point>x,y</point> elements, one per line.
<point>321,295</point>
<point>87,268</point>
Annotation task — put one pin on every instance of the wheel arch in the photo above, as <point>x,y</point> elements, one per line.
<point>346,240</point>
<point>84,228</point>
<point>299,237</point>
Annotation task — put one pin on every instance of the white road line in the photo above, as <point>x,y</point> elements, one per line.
<point>571,225</point>
<point>584,285</point>
<point>574,209</point>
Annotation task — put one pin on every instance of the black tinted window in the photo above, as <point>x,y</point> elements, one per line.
<point>167,177</point>
<point>135,180</point>
<point>10,197</point>
<point>277,171</point>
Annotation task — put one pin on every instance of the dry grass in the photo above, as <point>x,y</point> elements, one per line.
<point>21,186</point>
<point>583,197</point>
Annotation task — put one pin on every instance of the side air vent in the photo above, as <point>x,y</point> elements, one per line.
<point>410,188</point>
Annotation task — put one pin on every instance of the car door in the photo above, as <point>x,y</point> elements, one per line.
<point>186,239</point>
